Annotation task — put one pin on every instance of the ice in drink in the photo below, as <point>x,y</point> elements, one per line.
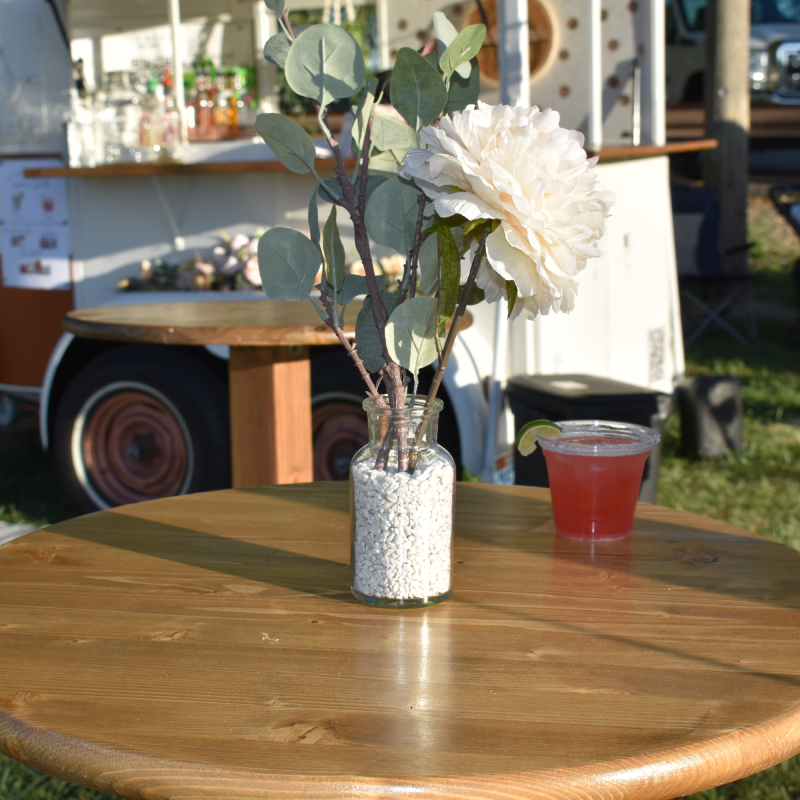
<point>595,471</point>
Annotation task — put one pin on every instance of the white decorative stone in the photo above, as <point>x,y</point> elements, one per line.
<point>403,530</point>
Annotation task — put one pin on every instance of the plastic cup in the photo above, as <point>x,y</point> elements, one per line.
<point>595,472</point>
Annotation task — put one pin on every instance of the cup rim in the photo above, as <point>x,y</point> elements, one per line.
<point>642,439</point>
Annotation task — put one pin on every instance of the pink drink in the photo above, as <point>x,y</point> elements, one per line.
<point>595,473</point>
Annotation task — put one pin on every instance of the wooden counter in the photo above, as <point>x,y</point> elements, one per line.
<point>228,168</point>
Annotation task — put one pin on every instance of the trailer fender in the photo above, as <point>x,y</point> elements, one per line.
<point>56,357</point>
<point>465,390</point>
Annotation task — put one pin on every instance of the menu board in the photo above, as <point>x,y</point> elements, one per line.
<point>35,226</point>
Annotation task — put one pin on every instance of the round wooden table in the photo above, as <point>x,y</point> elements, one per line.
<point>269,370</point>
<point>208,646</point>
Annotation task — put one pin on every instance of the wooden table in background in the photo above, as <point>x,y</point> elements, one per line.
<point>208,647</point>
<point>269,370</point>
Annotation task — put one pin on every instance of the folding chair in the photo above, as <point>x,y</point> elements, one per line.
<point>702,264</point>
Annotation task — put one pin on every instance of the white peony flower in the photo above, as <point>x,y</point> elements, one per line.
<point>518,166</point>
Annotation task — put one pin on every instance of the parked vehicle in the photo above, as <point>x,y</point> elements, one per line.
<point>774,51</point>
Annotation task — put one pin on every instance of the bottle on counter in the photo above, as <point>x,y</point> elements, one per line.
<point>169,132</point>
<point>204,107</point>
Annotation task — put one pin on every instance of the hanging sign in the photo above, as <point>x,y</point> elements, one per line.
<point>34,215</point>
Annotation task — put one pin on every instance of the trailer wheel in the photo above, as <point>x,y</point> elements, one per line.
<point>142,422</point>
<point>340,430</point>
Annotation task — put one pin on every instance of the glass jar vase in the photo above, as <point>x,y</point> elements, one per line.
<point>402,493</point>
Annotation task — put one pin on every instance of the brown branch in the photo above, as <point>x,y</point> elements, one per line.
<point>409,281</point>
<point>285,18</point>
<point>372,390</point>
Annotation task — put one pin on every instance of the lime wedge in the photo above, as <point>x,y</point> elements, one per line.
<point>531,432</point>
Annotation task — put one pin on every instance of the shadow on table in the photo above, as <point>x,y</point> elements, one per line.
<point>247,560</point>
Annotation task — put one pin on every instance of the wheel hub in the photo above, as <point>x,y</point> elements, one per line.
<point>134,449</point>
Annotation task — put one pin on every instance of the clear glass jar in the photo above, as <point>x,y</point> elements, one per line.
<point>401,551</point>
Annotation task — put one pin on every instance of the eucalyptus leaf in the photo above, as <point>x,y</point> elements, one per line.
<point>356,285</point>
<point>290,143</point>
<point>464,91</point>
<point>368,340</point>
<point>313,219</point>
<point>323,315</point>
<point>334,251</point>
<point>288,262</point>
<point>410,333</point>
<point>389,133</point>
<point>451,275</point>
<point>330,190</point>
<point>275,6</point>
<point>511,291</point>
<point>391,216</point>
<point>385,164</point>
<point>325,63</point>
<point>276,49</point>
<point>445,32</point>
<point>362,114</point>
<point>457,56</point>
<point>429,264</point>
<point>417,89</point>
<point>476,295</point>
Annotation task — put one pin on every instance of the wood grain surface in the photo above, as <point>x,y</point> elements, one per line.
<point>234,322</point>
<point>208,646</point>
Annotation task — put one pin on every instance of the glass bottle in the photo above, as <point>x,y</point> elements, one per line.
<point>204,107</point>
<point>170,124</point>
<point>221,101</point>
<point>119,114</point>
<point>401,552</point>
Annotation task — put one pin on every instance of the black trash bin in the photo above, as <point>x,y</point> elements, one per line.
<point>561,397</point>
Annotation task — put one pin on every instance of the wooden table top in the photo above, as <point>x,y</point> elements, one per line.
<point>208,646</point>
<point>236,322</point>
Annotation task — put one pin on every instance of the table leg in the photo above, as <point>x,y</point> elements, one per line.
<point>270,403</point>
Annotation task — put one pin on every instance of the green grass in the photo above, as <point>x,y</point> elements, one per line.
<point>756,489</point>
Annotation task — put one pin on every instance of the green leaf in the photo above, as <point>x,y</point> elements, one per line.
<point>355,285</point>
<point>476,295</point>
<point>511,291</point>
<point>313,219</point>
<point>276,49</point>
<point>429,264</point>
<point>410,333</point>
<point>290,143</point>
<point>368,340</point>
<point>362,114</point>
<point>330,190</point>
<point>275,6</point>
<point>323,315</point>
<point>417,90</point>
<point>464,91</point>
<point>391,216</point>
<point>445,33</point>
<point>334,251</point>
<point>457,56</point>
<point>325,63</point>
<point>451,275</point>
<point>389,133</point>
<point>385,164</point>
<point>288,263</point>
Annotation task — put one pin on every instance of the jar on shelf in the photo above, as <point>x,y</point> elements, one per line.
<point>402,507</point>
<point>119,115</point>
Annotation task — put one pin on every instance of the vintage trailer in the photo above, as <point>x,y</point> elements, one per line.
<point>601,68</point>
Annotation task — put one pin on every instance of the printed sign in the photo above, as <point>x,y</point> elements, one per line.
<point>35,226</point>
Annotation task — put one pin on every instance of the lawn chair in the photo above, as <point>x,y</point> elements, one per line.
<point>787,200</point>
<point>702,264</point>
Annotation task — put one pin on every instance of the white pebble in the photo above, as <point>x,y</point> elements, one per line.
<point>403,552</point>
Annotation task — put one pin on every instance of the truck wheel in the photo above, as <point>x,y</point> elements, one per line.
<point>340,430</point>
<point>142,422</point>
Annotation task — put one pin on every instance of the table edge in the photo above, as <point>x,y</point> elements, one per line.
<point>669,773</point>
